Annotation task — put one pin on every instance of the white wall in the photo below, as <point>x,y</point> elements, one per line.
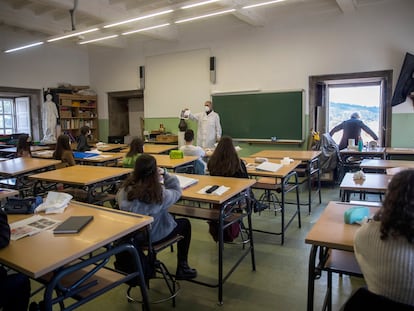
<point>43,66</point>
<point>279,56</point>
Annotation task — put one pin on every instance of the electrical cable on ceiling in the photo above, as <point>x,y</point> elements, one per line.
<point>72,14</point>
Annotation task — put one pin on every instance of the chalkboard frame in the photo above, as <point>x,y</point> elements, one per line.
<point>238,107</point>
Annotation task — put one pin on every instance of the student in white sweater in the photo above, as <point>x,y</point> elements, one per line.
<point>384,247</point>
<point>190,150</point>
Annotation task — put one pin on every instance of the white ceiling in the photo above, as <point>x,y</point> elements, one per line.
<point>44,19</point>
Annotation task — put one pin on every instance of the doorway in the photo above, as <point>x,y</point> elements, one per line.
<point>321,88</point>
<point>126,114</point>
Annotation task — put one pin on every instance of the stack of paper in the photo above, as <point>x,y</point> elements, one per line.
<point>268,166</point>
<point>186,182</point>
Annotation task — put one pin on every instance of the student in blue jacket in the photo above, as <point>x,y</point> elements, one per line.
<point>151,191</point>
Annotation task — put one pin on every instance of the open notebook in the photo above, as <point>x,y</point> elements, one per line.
<point>268,166</point>
<point>186,182</point>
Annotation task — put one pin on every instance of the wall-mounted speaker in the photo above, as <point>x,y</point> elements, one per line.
<point>212,69</point>
<point>142,77</point>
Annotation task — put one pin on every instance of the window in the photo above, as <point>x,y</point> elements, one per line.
<point>15,115</point>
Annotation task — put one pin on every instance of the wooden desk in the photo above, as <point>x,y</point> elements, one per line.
<point>153,148</point>
<point>86,177</point>
<point>111,147</point>
<point>284,174</point>
<point>43,154</point>
<point>329,232</point>
<point>164,160</point>
<point>107,226</point>
<point>309,157</point>
<point>238,190</point>
<point>378,152</point>
<point>12,150</point>
<point>384,164</point>
<point>104,158</point>
<point>397,152</point>
<point>377,183</point>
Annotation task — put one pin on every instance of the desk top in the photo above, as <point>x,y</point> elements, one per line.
<point>384,164</point>
<point>236,185</point>
<point>302,155</point>
<point>111,147</point>
<point>331,231</point>
<point>372,182</point>
<point>154,148</point>
<point>403,151</point>
<point>32,148</point>
<point>17,166</point>
<point>164,160</point>
<point>6,193</point>
<point>365,151</point>
<point>280,173</point>
<point>33,256</point>
<point>82,175</point>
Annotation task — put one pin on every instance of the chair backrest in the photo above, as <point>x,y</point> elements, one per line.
<point>363,300</point>
<point>185,169</point>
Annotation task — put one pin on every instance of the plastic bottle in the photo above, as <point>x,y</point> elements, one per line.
<point>360,144</point>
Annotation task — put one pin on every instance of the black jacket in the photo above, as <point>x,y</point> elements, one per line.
<point>352,130</point>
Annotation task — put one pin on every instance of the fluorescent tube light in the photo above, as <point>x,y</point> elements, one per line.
<point>138,18</point>
<point>24,47</point>
<point>203,16</point>
<point>198,4</point>
<point>98,39</point>
<point>73,34</point>
<point>145,29</point>
<point>261,4</point>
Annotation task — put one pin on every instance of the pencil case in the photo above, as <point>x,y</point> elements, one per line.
<point>176,154</point>
<point>355,214</point>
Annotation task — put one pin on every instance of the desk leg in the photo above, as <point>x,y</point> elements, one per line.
<point>311,277</point>
<point>221,250</point>
<point>283,212</point>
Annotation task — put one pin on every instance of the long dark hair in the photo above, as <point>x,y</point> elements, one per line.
<point>397,211</point>
<point>144,183</point>
<point>135,147</point>
<point>224,161</point>
<point>23,144</point>
<point>62,144</point>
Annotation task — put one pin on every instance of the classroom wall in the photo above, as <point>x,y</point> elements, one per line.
<point>280,56</point>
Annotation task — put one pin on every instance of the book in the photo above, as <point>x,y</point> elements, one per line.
<point>268,166</point>
<point>186,182</point>
<point>73,224</point>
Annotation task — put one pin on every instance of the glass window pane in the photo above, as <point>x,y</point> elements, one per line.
<point>1,106</point>
<point>8,131</point>
<point>1,122</point>
<point>8,121</point>
<point>7,107</point>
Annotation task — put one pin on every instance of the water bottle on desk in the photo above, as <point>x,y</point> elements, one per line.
<point>360,144</point>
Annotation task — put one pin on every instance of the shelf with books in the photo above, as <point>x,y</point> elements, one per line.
<point>76,111</point>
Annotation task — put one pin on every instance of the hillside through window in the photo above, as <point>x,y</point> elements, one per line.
<point>344,100</point>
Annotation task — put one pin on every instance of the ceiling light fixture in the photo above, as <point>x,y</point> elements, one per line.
<point>197,4</point>
<point>73,34</point>
<point>98,39</point>
<point>203,16</point>
<point>138,18</point>
<point>24,47</point>
<point>145,29</point>
<point>261,4</point>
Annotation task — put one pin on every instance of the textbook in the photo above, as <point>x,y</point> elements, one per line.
<point>268,166</point>
<point>73,224</point>
<point>186,182</point>
<point>83,155</point>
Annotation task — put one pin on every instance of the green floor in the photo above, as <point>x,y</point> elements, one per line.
<point>279,282</point>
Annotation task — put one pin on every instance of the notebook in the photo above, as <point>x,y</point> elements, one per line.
<point>268,166</point>
<point>83,155</point>
<point>73,224</point>
<point>186,182</point>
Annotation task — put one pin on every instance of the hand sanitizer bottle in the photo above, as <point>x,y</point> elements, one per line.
<point>360,144</point>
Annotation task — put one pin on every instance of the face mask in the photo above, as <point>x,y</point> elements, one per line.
<point>207,108</point>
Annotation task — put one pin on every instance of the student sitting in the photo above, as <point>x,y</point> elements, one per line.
<point>63,151</point>
<point>23,146</point>
<point>14,288</point>
<point>83,140</point>
<point>144,193</point>
<point>136,148</point>
<point>190,150</point>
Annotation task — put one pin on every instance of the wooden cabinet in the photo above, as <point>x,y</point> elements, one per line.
<point>76,111</point>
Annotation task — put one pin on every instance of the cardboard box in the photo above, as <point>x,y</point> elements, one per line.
<point>165,138</point>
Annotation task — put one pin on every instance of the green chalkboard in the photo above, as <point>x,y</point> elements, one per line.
<point>261,115</point>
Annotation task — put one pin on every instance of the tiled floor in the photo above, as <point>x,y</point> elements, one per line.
<point>279,282</point>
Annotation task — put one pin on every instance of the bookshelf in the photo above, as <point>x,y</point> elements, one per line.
<point>76,111</point>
